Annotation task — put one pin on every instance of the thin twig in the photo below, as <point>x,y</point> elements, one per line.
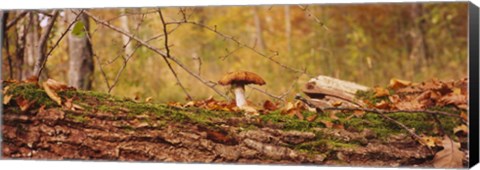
<point>236,41</point>
<point>58,42</point>
<point>309,13</point>
<point>168,55</point>
<point>43,44</point>
<point>268,94</point>
<point>16,19</point>
<point>156,50</point>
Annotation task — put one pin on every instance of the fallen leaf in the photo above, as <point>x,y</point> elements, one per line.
<point>23,103</point>
<point>189,104</point>
<point>397,83</point>
<point>285,109</point>
<point>464,116</point>
<point>32,79</point>
<point>299,114</point>
<point>56,85</point>
<point>336,103</point>
<point>381,92</point>
<point>7,98</point>
<point>455,99</point>
<point>52,94</point>
<point>268,105</point>
<point>312,118</point>
<point>68,103</point>
<point>450,156</point>
<point>338,126</point>
<point>327,124</point>
<point>359,113</point>
<point>148,99</point>
<point>333,115</point>
<point>430,141</point>
<point>461,128</point>
<point>382,105</point>
<point>249,110</point>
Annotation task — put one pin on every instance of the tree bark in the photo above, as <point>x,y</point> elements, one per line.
<point>81,66</point>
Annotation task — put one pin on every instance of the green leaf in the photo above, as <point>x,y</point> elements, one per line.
<point>78,30</point>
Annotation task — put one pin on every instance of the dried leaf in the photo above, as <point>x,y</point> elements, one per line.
<point>189,104</point>
<point>338,126</point>
<point>312,118</point>
<point>56,85</point>
<point>455,99</point>
<point>299,114</point>
<point>148,99</point>
<point>23,103</point>
<point>68,103</point>
<point>7,98</point>
<point>336,103</point>
<point>397,83</point>
<point>333,115</point>
<point>380,92</point>
<point>359,113</point>
<point>464,116</point>
<point>249,110</point>
<point>289,106</point>
<point>382,105</point>
<point>430,141</point>
<point>461,128</point>
<point>327,124</point>
<point>52,94</point>
<point>268,105</point>
<point>450,156</point>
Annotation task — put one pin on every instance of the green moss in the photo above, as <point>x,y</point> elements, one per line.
<point>76,118</point>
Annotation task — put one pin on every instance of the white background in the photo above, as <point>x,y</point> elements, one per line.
<point>84,165</point>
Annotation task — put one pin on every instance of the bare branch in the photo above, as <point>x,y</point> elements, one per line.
<point>16,19</point>
<point>267,93</point>
<point>310,14</point>
<point>236,41</point>
<point>168,55</point>
<point>43,44</point>
<point>156,50</point>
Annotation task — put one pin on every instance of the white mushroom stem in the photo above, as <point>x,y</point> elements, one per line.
<point>239,91</point>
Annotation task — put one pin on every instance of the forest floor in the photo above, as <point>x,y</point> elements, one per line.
<point>96,126</point>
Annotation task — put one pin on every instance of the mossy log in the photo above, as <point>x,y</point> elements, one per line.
<point>110,128</point>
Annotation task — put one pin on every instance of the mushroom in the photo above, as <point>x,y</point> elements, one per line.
<point>238,80</point>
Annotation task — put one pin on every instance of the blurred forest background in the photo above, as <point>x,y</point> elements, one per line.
<point>287,45</point>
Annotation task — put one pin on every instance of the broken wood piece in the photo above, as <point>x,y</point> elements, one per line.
<point>324,87</point>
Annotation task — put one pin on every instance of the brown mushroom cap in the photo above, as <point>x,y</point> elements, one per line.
<point>241,77</point>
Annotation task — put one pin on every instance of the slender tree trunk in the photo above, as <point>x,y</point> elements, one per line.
<point>258,29</point>
<point>31,44</point>
<point>3,40</point>
<point>419,49</point>
<point>80,73</point>
<point>288,29</point>
<point>124,25</point>
<point>21,30</point>
<point>41,48</point>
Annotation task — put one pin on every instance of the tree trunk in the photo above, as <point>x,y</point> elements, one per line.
<point>258,30</point>
<point>80,73</point>
<point>21,31</point>
<point>132,131</point>
<point>288,29</point>
<point>419,49</point>
<point>126,40</point>
<point>31,44</point>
